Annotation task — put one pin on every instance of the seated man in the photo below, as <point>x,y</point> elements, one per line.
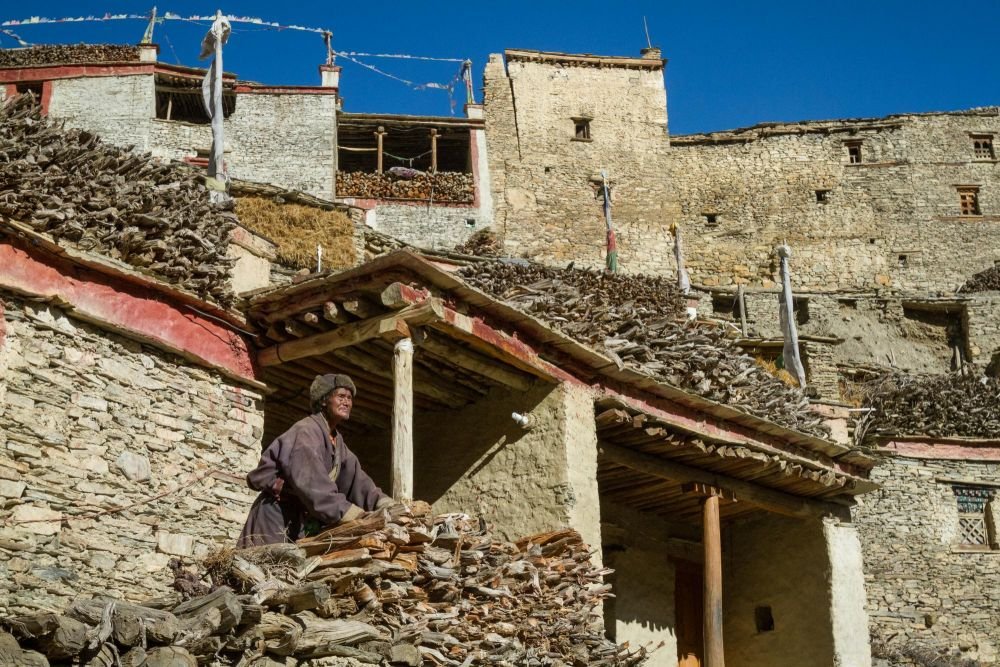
<point>307,477</point>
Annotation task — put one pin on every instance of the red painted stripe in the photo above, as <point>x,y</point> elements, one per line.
<point>50,72</point>
<point>144,314</point>
<point>989,451</point>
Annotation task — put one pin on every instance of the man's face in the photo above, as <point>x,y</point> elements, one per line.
<point>339,404</point>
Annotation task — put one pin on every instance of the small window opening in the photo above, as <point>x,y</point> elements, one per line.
<point>725,305</point>
<point>581,131</point>
<point>470,222</point>
<point>853,152</point>
<point>548,170</point>
<point>711,218</point>
<point>763,619</point>
<point>982,146</point>
<point>974,521</point>
<point>822,196</point>
<point>903,261</point>
<point>968,200</point>
<point>800,305</point>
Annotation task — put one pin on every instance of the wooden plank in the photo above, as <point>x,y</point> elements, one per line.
<point>361,308</point>
<point>769,499</point>
<point>402,420</point>
<point>392,326</point>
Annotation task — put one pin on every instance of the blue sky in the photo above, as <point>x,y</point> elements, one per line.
<point>731,63</point>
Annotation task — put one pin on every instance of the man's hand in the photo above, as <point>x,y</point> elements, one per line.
<point>276,488</point>
<point>385,502</point>
<point>354,512</point>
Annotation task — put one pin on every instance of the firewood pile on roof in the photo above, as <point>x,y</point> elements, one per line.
<point>483,243</point>
<point>397,587</point>
<point>984,281</point>
<point>58,54</point>
<point>639,321</point>
<point>403,183</point>
<point>157,217</point>
<point>952,405</point>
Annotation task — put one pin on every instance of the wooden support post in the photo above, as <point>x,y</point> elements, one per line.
<point>712,542</point>
<point>741,304</point>
<point>379,133</point>
<point>170,105</point>
<point>434,151</point>
<point>402,420</point>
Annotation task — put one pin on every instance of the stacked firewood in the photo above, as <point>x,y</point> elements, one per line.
<point>396,587</point>
<point>952,405</point>
<point>483,243</point>
<point>378,244</point>
<point>64,54</point>
<point>444,186</point>
<point>69,184</point>
<point>638,321</point>
<point>984,281</point>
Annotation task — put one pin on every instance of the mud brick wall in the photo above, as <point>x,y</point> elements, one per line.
<point>920,589</point>
<point>91,422</point>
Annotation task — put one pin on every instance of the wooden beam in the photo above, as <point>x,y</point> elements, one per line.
<point>402,420</point>
<point>477,363</point>
<point>771,500</point>
<point>392,326</point>
<point>712,542</point>
<point>398,295</point>
<point>332,313</point>
<point>434,150</point>
<point>379,134</point>
<point>361,308</point>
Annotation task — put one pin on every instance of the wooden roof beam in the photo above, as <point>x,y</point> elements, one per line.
<point>778,502</point>
<point>391,326</point>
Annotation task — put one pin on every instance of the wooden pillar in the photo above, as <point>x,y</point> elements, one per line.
<point>402,420</point>
<point>434,151</point>
<point>379,133</point>
<point>741,304</point>
<point>712,542</point>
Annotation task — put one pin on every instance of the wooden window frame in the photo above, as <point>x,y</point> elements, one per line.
<point>854,151</point>
<point>983,147</point>
<point>970,517</point>
<point>582,129</point>
<point>968,201</point>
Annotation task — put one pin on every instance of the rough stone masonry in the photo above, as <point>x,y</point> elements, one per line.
<point>114,458</point>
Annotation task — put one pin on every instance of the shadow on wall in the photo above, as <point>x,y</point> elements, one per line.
<point>475,441</point>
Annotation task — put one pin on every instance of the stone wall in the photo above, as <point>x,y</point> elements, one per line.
<point>114,458</point>
<point>428,225</point>
<point>118,108</point>
<point>889,221</point>
<point>922,590</point>
<point>545,196</point>
<point>288,139</point>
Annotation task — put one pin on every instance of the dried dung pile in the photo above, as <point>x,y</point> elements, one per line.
<point>297,230</point>
<point>951,405</point>
<point>483,243</point>
<point>444,186</point>
<point>984,281</point>
<point>398,587</point>
<point>50,54</point>
<point>156,217</point>
<point>639,322</point>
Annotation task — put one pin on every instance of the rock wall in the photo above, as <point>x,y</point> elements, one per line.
<point>288,139</point>
<point>114,458</point>
<point>545,179</point>
<point>922,589</point>
<point>891,220</point>
<point>433,226</point>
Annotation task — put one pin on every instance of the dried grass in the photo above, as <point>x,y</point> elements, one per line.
<point>298,229</point>
<point>779,373</point>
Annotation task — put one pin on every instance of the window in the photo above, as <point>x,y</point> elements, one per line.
<point>853,151</point>
<point>711,218</point>
<point>763,619</point>
<point>581,130</point>
<point>982,146</point>
<point>903,261</point>
<point>822,196</point>
<point>33,87</point>
<point>975,520</point>
<point>968,200</point>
